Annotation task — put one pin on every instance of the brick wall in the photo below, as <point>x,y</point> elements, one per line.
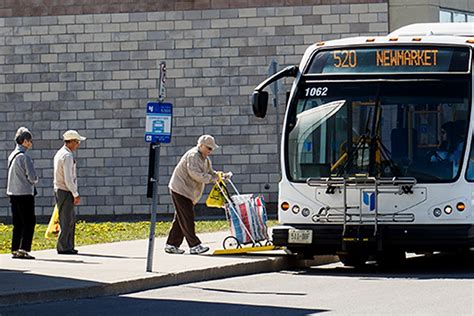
<point>95,73</point>
<point>60,7</point>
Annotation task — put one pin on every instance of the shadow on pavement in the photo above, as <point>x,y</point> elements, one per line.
<point>108,256</point>
<point>439,266</point>
<point>245,292</point>
<point>67,261</point>
<point>136,306</point>
<point>18,285</point>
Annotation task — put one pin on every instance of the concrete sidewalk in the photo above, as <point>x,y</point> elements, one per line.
<point>117,268</point>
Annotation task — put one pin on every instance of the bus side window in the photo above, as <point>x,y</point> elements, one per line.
<point>470,164</point>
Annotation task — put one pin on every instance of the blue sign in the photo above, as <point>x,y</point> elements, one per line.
<point>369,200</point>
<point>158,122</point>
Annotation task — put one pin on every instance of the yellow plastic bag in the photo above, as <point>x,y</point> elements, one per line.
<point>53,227</point>
<point>216,198</point>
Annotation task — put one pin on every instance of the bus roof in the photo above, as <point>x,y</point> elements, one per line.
<point>435,29</point>
<point>425,33</point>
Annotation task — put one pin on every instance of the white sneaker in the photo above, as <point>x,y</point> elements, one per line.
<point>173,250</point>
<point>197,250</point>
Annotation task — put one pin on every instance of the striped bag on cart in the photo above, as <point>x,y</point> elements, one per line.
<point>248,218</point>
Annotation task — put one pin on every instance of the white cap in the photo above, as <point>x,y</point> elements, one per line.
<point>73,135</point>
<point>21,131</point>
<point>22,134</point>
<point>208,141</point>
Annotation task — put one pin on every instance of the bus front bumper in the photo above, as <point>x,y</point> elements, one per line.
<point>329,239</point>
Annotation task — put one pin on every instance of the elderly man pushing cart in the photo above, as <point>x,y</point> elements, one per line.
<point>187,183</point>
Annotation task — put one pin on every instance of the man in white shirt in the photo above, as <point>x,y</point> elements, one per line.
<point>65,191</point>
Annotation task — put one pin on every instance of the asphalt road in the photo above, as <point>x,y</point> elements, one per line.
<point>437,285</point>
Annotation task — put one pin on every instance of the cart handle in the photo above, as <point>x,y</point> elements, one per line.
<point>233,186</point>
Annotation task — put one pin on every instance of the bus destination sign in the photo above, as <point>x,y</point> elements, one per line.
<point>391,60</point>
<point>407,57</point>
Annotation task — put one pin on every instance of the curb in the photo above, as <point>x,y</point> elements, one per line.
<point>142,284</point>
<point>159,281</point>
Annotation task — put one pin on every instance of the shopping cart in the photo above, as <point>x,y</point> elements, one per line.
<point>247,219</point>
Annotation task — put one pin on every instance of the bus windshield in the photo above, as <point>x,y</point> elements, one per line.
<point>382,128</point>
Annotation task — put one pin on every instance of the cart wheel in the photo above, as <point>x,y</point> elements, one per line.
<point>231,242</point>
<point>269,243</point>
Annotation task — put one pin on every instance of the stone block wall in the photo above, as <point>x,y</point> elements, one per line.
<point>95,73</point>
<point>61,7</point>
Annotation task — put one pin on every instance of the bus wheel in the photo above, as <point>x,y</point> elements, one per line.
<point>353,259</point>
<point>390,258</point>
<point>231,242</point>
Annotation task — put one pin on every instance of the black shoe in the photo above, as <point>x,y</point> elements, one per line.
<point>68,252</point>
<point>21,254</point>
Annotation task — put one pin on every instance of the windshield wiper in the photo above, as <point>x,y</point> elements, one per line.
<point>386,156</point>
<point>349,163</point>
<point>375,144</point>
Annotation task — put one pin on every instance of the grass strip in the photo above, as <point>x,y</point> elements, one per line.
<point>107,232</point>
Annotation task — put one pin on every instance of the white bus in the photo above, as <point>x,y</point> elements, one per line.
<point>377,155</point>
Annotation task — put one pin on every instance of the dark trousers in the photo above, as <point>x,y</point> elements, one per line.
<point>24,221</point>
<point>183,222</point>
<point>67,220</point>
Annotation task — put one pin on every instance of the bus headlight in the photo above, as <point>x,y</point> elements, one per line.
<point>460,206</point>
<point>437,212</point>
<point>448,209</point>
<point>285,206</point>
<point>305,212</point>
<point>295,209</point>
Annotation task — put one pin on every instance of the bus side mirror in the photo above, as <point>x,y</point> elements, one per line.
<point>260,103</point>
<point>260,97</point>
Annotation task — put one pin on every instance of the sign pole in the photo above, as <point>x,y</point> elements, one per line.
<point>154,207</point>
<point>153,178</point>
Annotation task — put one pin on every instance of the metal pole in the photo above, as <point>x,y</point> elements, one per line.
<point>275,89</point>
<point>161,83</point>
<point>154,179</point>
<point>154,209</point>
<point>275,104</point>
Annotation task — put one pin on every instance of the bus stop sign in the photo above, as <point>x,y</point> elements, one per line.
<point>158,122</point>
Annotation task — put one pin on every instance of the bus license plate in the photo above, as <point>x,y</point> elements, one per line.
<point>298,236</point>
